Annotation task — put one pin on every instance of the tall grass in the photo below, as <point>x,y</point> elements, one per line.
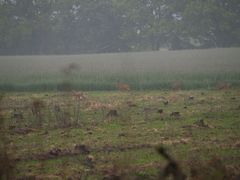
<point>194,69</point>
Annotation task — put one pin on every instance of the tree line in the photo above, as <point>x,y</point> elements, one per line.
<point>101,26</point>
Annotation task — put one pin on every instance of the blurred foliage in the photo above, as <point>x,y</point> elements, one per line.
<point>86,26</point>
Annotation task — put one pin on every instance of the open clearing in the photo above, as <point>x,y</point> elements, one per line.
<point>73,135</point>
<point>184,101</point>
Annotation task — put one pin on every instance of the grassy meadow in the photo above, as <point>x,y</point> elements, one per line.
<point>64,117</point>
<point>193,69</point>
<point>60,136</point>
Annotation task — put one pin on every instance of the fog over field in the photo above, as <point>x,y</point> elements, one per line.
<point>144,70</point>
<point>119,89</point>
<point>189,61</point>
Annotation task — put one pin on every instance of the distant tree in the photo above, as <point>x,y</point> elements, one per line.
<point>99,26</point>
<point>154,23</point>
<point>213,23</point>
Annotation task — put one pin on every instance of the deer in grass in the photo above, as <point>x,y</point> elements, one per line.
<point>223,86</point>
<point>123,87</point>
<point>78,95</point>
<point>176,86</point>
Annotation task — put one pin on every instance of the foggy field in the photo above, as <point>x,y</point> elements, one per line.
<point>193,69</point>
<point>61,136</point>
<point>119,90</point>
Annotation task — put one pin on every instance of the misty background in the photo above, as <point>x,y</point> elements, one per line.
<point>90,88</point>
<point>103,26</point>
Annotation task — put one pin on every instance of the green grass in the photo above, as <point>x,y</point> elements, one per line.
<point>186,142</point>
<point>194,69</point>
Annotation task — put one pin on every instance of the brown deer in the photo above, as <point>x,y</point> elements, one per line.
<point>79,96</point>
<point>176,86</point>
<point>123,87</point>
<point>223,86</point>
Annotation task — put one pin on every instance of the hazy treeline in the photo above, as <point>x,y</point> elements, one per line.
<point>94,26</point>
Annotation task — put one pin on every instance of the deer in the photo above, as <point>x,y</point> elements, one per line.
<point>79,96</point>
<point>223,86</point>
<point>176,86</point>
<point>123,87</point>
